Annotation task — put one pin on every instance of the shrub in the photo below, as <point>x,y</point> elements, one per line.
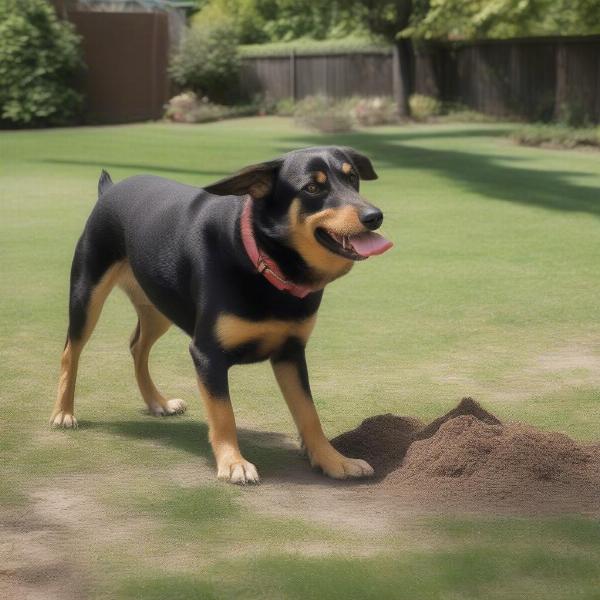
<point>331,116</point>
<point>573,114</point>
<point>207,61</point>
<point>285,107</point>
<point>182,108</point>
<point>458,113</point>
<point>373,111</point>
<point>424,107</point>
<point>188,108</point>
<point>322,114</point>
<point>40,66</point>
<point>556,136</point>
<point>308,47</point>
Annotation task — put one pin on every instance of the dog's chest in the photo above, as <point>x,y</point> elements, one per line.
<point>266,336</point>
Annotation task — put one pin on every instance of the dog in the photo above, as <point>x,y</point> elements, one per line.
<point>240,266</point>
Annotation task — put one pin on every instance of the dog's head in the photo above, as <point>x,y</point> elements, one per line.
<point>309,201</point>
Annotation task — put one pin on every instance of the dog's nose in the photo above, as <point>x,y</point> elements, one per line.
<point>372,218</point>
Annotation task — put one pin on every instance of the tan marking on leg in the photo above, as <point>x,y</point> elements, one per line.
<point>152,324</point>
<point>130,285</point>
<point>233,331</point>
<point>346,168</point>
<point>231,465</point>
<point>62,415</point>
<point>320,452</point>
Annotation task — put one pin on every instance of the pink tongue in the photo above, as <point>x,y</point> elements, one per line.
<point>370,243</point>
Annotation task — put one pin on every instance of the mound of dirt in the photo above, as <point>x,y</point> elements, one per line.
<point>468,459</point>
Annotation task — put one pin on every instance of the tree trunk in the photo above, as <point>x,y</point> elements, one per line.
<point>562,89</point>
<point>403,75</point>
<point>427,73</point>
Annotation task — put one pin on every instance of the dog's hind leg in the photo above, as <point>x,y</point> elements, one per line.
<point>151,325</point>
<point>88,293</point>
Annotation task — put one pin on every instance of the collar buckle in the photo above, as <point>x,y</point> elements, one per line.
<point>261,266</point>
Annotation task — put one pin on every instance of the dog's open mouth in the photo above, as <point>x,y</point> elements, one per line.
<point>355,247</point>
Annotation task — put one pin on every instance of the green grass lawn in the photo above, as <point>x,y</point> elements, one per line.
<point>492,290</point>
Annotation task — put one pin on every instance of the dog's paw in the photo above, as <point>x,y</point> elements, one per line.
<point>338,466</point>
<point>173,407</point>
<point>238,471</point>
<point>176,406</point>
<point>63,419</point>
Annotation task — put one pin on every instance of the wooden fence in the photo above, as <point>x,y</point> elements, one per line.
<point>334,75</point>
<point>530,78</point>
<point>127,56</point>
<point>533,78</point>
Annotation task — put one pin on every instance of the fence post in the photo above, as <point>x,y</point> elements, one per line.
<point>293,74</point>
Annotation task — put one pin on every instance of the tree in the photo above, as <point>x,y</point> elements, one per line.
<point>40,65</point>
<point>315,19</point>
<point>475,19</point>
<point>388,19</point>
<point>258,21</point>
<point>244,15</point>
<point>207,61</point>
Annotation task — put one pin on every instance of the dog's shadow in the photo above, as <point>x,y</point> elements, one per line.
<point>383,440</point>
<point>278,457</point>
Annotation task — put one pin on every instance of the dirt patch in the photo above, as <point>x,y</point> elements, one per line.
<point>33,565</point>
<point>469,460</point>
<point>48,548</point>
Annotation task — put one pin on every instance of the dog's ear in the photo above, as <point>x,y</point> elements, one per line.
<point>361,162</point>
<point>256,180</point>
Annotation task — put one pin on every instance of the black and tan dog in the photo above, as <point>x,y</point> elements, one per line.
<point>243,275</point>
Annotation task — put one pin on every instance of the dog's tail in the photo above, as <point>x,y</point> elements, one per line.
<point>104,183</point>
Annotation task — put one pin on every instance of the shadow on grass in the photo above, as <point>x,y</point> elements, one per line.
<point>142,168</point>
<point>274,454</point>
<point>487,175</point>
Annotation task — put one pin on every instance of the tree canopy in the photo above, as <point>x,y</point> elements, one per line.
<point>258,21</point>
<point>470,19</point>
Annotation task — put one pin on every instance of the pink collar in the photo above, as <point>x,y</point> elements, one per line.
<point>264,264</point>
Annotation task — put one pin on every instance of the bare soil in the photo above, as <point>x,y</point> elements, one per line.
<point>469,460</point>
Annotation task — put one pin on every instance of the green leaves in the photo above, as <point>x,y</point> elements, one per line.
<point>208,61</point>
<point>40,66</point>
<point>263,21</point>
<point>468,19</point>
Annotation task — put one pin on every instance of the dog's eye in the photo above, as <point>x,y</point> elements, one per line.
<point>353,178</point>
<point>312,188</point>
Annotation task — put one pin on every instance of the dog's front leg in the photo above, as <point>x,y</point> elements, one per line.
<point>212,372</point>
<point>291,373</point>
